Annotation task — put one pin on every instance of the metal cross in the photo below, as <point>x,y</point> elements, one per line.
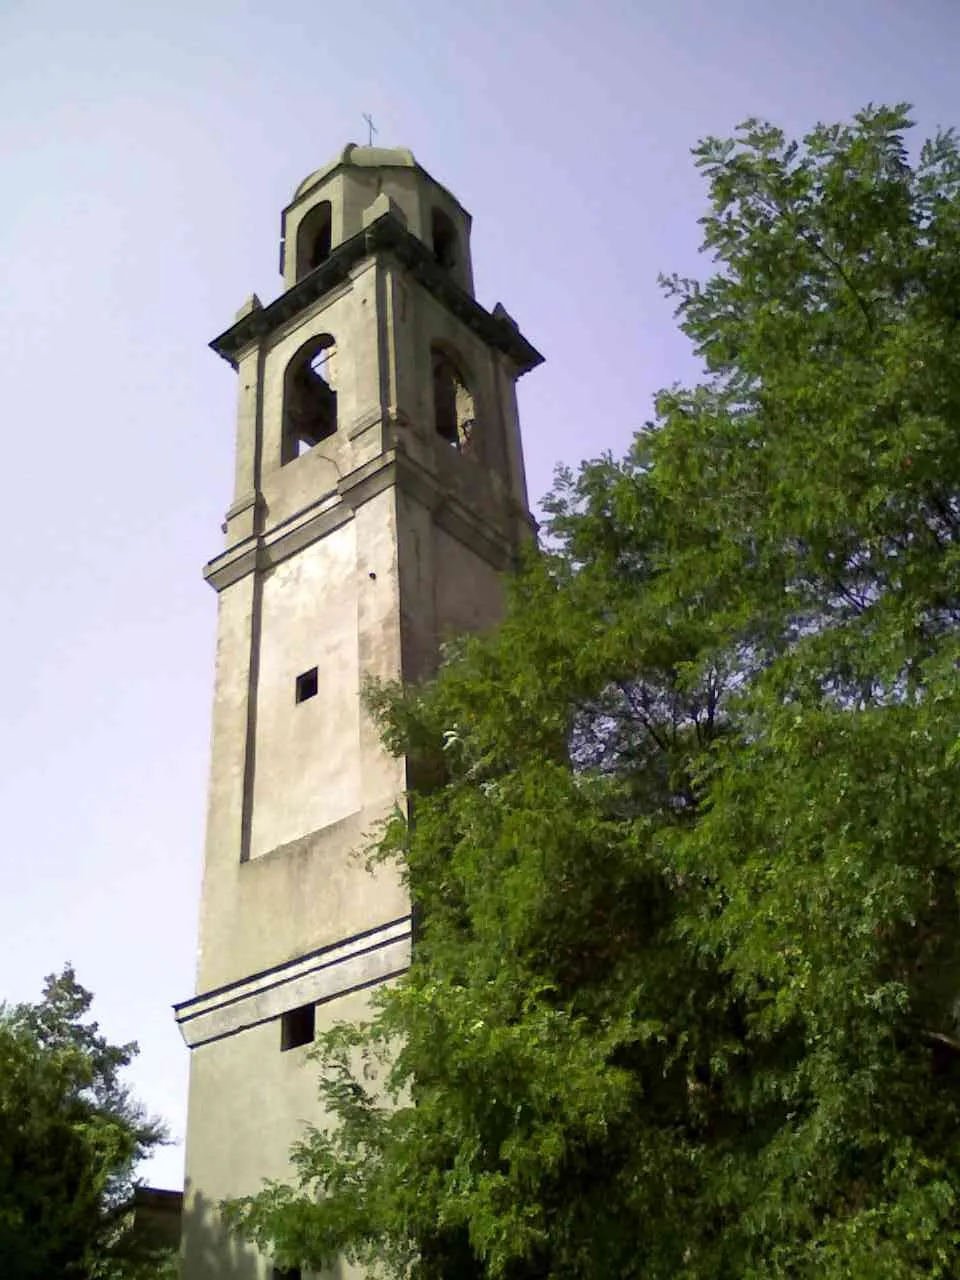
<point>371,127</point>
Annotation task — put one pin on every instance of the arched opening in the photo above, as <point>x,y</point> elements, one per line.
<point>314,238</point>
<point>444,236</point>
<point>453,404</point>
<point>309,399</point>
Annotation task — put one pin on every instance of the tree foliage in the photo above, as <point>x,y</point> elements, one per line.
<point>684,832</point>
<point>70,1138</point>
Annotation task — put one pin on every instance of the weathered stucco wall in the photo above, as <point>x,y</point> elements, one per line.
<point>247,1096</point>
<point>307,771</point>
<point>295,789</point>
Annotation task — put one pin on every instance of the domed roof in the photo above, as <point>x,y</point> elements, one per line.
<point>362,157</point>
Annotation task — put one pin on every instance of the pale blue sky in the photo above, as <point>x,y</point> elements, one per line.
<point>147,151</point>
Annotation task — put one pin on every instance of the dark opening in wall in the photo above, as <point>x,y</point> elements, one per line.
<point>307,685</point>
<point>297,1027</point>
<point>314,238</point>
<point>453,406</point>
<point>309,400</point>
<point>444,236</point>
<point>287,1273</point>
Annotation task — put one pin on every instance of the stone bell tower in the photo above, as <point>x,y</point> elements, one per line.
<point>379,495</point>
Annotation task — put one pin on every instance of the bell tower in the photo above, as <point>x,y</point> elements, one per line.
<point>379,495</point>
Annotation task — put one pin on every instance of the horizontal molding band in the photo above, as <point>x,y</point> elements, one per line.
<point>362,961</point>
<point>336,507</point>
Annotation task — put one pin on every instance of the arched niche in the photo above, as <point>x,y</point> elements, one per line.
<point>454,405</point>
<point>309,397</point>
<point>314,238</point>
<point>444,239</point>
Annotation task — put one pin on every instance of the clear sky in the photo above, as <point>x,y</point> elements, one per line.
<point>147,150</point>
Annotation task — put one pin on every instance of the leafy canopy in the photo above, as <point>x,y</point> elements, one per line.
<point>70,1139</point>
<point>684,835</point>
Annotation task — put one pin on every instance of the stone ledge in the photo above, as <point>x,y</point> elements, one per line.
<point>319,518</point>
<point>362,961</point>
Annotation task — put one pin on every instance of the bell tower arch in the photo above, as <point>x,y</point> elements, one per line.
<point>379,495</point>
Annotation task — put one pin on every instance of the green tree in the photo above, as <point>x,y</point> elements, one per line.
<point>684,832</point>
<point>70,1139</point>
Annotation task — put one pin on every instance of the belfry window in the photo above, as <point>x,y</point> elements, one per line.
<point>314,238</point>
<point>309,399</point>
<point>444,236</point>
<point>453,406</point>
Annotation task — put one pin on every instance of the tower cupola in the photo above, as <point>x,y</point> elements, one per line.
<point>336,202</point>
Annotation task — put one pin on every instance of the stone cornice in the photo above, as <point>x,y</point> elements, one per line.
<point>335,507</point>
<point>386,233</point>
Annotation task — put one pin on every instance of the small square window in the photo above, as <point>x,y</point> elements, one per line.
<point>307,685</point>
<point>297,1027</point>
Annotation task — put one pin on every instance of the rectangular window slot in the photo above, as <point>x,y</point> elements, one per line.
<point>286,1273</point>
<point>297,1027</point>
<point>307,685</point>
